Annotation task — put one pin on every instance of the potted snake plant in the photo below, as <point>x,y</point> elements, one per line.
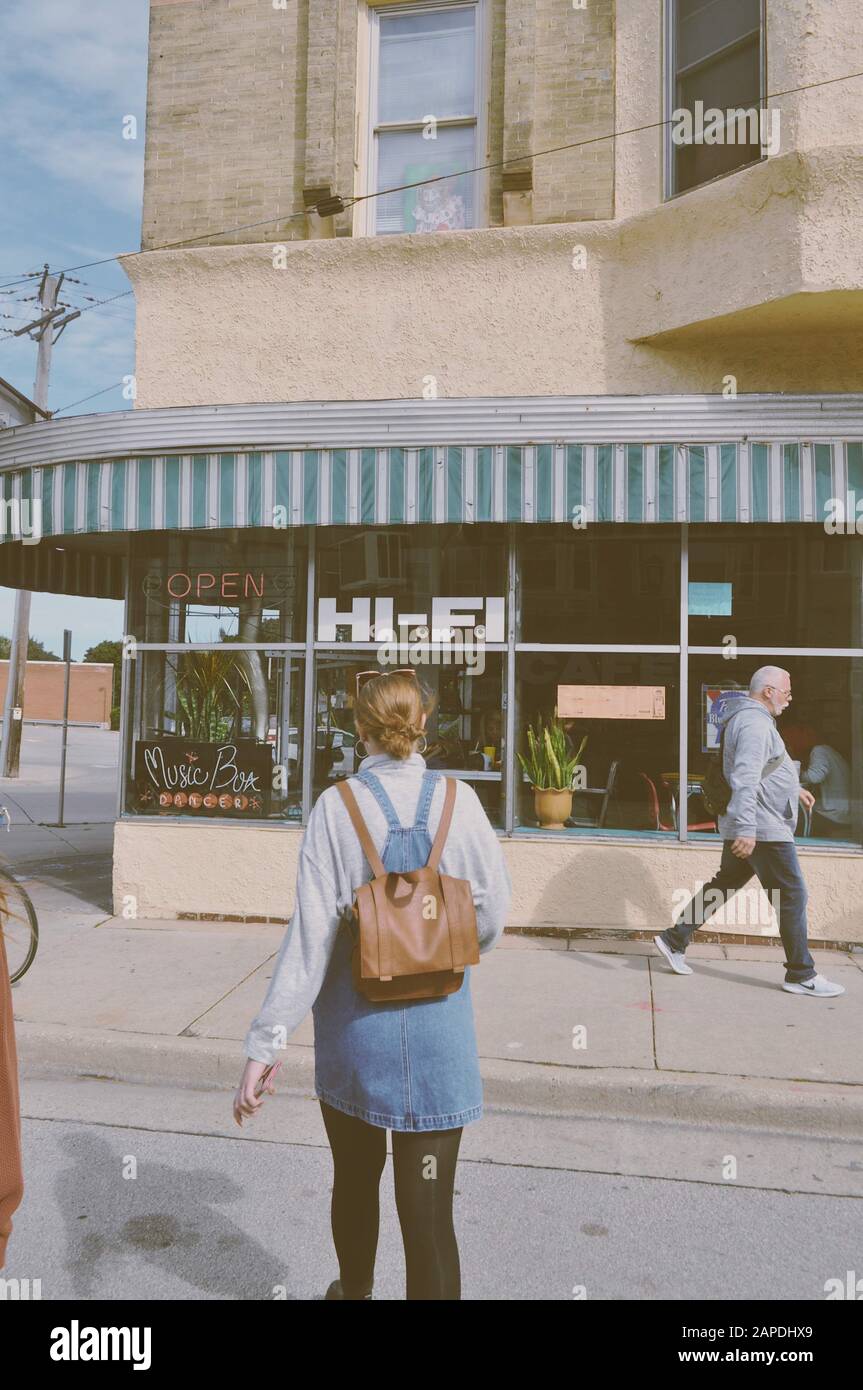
<point>550,769</point>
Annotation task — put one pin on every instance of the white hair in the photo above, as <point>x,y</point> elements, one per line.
<point>765,675</point>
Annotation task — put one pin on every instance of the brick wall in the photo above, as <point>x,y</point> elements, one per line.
<point>89,691</point>
<point>249,104</point>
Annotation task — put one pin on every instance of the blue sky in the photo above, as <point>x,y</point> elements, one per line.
<point>71,71</point>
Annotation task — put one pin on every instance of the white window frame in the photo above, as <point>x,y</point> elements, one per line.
<point>670,60</point>
<point>366,162</point>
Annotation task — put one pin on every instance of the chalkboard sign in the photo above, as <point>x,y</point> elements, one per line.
<point>179,777</point>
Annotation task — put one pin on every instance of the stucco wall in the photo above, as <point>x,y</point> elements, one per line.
<point>163,869</point>
<point>756,276</point>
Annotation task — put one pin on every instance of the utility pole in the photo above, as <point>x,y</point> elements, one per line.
<point>43,330</point>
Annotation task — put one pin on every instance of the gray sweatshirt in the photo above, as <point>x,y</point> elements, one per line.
<point>332,866</point>
<point>763,779</point>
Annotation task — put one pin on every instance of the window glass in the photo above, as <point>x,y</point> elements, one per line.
<point>821,729</point>
<point>718,64</point>
<point>216,735</point>
<point>427,63</point>
<point>774,586</point>
<point>406,158</point>
<point>626,707</point>
<point>592,586</point>
<point>398,579</point>
<point>464,730</point>
<point>425,123</point>
<point>242,586</point>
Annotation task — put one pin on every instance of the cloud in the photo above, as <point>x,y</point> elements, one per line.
<point>70,71</point>
<point>90,47</point>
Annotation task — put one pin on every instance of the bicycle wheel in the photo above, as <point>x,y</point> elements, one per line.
<point>19,925</point>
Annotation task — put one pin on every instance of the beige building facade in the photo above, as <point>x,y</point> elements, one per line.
<point>446,299</point>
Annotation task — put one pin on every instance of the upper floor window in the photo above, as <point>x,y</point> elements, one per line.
<point>425,117</point>
<point>716,89</point>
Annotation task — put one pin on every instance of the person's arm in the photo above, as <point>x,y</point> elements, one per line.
<point>818,767</point>
<point>11,1178</point>
<point>744,765</point>
<point>301,963</point>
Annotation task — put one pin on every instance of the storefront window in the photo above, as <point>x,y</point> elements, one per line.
<point>774,586</point>
<point>626,706</point>
<point>595,585</point>
<point>464,732</point>
<point>821,729</point>
<point>217,734</point>
<point>227,586</point>
<point>396,578</point>
<point>432,598</point>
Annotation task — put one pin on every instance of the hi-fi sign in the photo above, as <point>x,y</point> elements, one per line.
<point>375,620</point>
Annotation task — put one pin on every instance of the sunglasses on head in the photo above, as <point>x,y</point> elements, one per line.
<point>363,677</point>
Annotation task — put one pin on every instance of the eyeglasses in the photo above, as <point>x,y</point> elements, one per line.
<point>363,677</point>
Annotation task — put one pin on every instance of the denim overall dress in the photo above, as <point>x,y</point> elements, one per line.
<point>410,1065</point>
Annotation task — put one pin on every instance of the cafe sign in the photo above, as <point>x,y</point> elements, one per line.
<point>189,777</point>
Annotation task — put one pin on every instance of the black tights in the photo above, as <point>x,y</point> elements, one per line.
<point>424,1174</point>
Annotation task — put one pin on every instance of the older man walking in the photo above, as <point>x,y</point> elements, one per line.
<point>757,829</point>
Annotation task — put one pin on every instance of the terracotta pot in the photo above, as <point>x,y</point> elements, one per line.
<point>552,807</point>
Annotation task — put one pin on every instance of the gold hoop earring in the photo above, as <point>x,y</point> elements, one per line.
<point>357,746</point>
<point>425,743</point>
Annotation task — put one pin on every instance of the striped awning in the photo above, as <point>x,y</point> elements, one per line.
<point>768,481</point>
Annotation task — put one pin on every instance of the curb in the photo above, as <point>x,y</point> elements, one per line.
<point>784,1105</point>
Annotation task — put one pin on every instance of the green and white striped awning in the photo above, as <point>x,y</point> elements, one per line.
<point>768,481</point>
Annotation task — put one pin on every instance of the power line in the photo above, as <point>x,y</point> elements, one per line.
<point>350,201</point>
<point>112,387</point>
<point>99,302</point>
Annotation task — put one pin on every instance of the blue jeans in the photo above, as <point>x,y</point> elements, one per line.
<point>775,864</point>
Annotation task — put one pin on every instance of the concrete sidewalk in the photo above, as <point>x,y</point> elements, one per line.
<point>564,1027</point>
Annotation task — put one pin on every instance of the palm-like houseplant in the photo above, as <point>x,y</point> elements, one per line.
<point>207,702</point>
<point>550,768</point>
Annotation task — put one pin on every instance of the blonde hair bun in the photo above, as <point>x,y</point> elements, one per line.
<point>390,709</point>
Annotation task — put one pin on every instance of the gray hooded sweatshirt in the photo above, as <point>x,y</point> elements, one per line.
<point>763,779</point>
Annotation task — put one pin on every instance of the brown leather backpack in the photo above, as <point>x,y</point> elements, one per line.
<point>416,931</point>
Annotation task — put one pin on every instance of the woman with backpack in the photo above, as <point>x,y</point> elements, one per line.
<point>410,1065</point>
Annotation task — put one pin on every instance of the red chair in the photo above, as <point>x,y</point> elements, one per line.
<point>655,809</point>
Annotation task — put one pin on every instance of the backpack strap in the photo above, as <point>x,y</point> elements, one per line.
<point>365,839</point>
<point>443,827</point>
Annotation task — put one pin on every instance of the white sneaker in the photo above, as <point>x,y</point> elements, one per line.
<point>675,959</point>
<point>818,987</point>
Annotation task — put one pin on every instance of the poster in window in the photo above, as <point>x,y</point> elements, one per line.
<point>611,701</point>
<point>714,699</point>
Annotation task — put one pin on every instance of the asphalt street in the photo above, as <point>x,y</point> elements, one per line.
<point>91,776</point>
<point>183,1205</point>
